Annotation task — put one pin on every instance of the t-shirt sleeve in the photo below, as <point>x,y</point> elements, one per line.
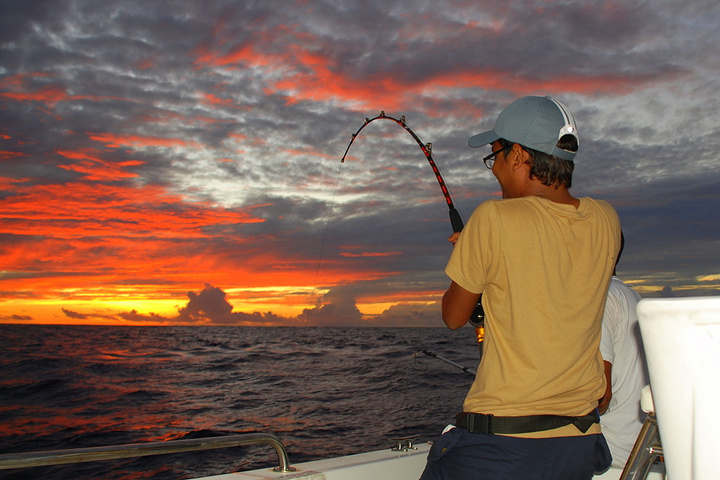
<point>469,259</point>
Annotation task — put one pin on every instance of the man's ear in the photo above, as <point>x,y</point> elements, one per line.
<point>519,156</point>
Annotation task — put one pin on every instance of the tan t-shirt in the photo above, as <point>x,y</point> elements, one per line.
<point>544,270</point>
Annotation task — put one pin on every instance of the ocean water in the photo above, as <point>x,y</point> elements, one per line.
<point>322,391</point>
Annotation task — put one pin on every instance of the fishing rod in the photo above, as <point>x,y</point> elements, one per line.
<point>477,319</point>
<point>450,362</point>
<point>455,219</point>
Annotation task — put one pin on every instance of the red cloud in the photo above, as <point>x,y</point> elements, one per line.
<point>370,254</point>
<point>317,77</point>
<point>248,54</point>
<point>4,155</point>
<point>107,241</point>
<point>145,63</point>
<point>7,183</point>
<point>97,169</point>
<point>243,54</point>
<point>225,102</point>
<point>49,95</point>
<point>76,211</point>
<point>318,82</point>
<point>308,151</point>
<point>115,141</point>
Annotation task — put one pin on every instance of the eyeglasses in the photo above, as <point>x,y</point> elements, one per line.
<point>490,159</point>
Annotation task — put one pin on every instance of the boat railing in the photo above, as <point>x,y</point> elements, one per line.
<point>113,452</point>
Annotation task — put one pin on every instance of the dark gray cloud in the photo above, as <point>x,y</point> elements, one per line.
<point>74,315</point>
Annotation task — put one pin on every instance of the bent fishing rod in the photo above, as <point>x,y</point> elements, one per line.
<point>455,219</point>
<point>477,319</point>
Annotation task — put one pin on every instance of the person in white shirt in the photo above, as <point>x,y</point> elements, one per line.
<point>625,370</point>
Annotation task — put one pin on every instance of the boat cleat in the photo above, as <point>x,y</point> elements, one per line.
<point>404,444</point>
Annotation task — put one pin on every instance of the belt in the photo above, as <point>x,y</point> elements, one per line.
<point>490,424</point>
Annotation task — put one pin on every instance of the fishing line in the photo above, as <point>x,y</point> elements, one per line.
<point>322,247</point>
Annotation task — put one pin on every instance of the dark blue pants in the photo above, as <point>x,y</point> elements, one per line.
<point>461,455</point>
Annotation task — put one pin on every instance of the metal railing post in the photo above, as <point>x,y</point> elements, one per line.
<point>91,454</point>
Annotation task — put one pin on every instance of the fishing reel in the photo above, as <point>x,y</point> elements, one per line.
<point>477,320</point>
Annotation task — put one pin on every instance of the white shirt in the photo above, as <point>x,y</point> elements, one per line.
<point>621,345</point>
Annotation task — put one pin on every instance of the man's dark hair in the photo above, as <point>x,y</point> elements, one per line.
<point>551,170</point>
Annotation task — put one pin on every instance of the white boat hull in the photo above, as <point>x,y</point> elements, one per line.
<point>377,465</point>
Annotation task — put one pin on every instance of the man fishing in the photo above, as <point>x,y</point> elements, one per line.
<point>542,261</point>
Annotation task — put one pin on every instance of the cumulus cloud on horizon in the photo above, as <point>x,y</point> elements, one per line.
<point>336,308</point>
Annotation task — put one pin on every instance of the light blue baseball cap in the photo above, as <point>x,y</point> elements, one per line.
<point>533,122</point>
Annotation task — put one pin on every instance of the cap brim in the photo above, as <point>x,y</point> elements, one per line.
<point>483,139</point>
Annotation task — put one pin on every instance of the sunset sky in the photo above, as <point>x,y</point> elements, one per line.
<point>167,162</point>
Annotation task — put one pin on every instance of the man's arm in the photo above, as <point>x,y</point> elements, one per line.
<point>457,306</point>
<point>605,400</point>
